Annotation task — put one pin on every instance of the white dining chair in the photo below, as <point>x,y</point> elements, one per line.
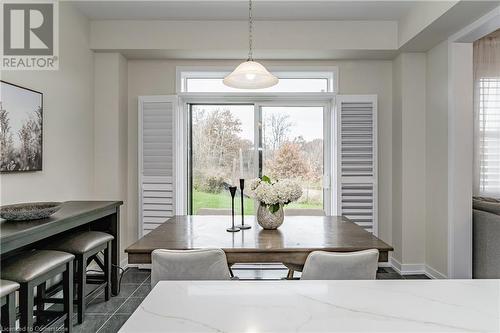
<point>322,265</point>
<point>204,264</point>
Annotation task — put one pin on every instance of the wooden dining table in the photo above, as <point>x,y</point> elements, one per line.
<point>291,243</point>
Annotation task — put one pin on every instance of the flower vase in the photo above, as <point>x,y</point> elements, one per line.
<point>268,220</point>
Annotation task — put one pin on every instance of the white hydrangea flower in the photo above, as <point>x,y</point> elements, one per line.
<point>282,191</point>
<point>288,191</point>
<point>254,183</point>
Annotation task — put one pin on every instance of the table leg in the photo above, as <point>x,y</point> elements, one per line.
<point>114,226</point>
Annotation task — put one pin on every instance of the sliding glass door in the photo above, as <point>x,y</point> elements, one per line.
<point>233,141</point>
<point>222,150</point>
<point>292,143</point>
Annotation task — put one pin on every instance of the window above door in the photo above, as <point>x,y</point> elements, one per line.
<point>292,80</point>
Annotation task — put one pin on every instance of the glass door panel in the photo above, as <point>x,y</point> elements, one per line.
<point>222,152</point>
<point>292,144</point>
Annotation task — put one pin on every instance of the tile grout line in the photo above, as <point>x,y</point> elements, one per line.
<point>99,329</point>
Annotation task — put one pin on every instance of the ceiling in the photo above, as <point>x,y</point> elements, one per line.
<point>238,10</point>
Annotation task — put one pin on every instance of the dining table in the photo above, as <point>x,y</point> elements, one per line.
<point>319,306</point>
<point>290,243</point>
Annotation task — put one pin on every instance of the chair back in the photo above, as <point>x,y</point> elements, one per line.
<point>322,265</point>
<point>205,264</point>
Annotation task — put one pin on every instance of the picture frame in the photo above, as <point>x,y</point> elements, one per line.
<point>21,128</point>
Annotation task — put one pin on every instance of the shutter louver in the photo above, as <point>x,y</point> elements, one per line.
<point>156,161</point>
<point>357,160</point>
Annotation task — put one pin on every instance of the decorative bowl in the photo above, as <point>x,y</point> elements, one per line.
<point>29,211</point>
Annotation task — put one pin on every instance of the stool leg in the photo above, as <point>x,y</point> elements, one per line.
<point>82,281</point>
<point>68,297</point>
<point>9,313</point>
<point>26,307</point>
<point>40,296</point>
<point>107,271</point>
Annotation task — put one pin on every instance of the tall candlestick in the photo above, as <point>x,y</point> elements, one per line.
<point>243,226</point>
<point>232,190</point>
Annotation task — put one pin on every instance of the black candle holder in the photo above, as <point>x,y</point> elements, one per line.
<point>243,226</point>
<point>232,190</point>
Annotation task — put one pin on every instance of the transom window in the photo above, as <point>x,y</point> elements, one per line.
<point>210,81</point>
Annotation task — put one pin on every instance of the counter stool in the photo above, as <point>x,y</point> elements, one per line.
<point>86,246</point>
<point>32,269</point>
<point>8,302</point>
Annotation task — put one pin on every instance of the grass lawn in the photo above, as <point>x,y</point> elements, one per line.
<point>223,200</point>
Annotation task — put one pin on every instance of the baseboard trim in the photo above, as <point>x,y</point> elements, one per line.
<point>434,274</point>
<point>407,269</point>
<point>384,264</point>
<point>412,269</point>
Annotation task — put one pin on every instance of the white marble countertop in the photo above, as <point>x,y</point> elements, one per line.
<point>320,306</point>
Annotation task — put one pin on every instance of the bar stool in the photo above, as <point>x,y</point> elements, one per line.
<point>86,246</point>
<point>32,269</point>
<point>8,302</point>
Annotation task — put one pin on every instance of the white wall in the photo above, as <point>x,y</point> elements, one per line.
<point>397,159</point>
<point>460,159</point>
<point>409,162</point>
<point>413,155</point>
<point>436,166</point>
<point>155,77</point>
<point>110,133</point>
<point>68,138</point>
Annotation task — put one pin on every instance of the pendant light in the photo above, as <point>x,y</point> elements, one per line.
<point>250,74</point>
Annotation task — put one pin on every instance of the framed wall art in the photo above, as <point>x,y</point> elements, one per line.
<point>21,128</point>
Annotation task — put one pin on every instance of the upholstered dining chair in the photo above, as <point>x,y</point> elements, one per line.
<point>322,265</point>
<point>300,212</point>
<point>204,264</point>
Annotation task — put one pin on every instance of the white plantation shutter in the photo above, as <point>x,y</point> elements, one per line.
<point>357,159</point>
<point>156,161</point>
<point>488,136</point>
<point>487,116</point>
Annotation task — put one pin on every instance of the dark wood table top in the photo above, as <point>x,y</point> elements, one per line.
<point>15,234</point>
<point>298,233</point>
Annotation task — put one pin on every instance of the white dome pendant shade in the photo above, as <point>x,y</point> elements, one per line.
<point>250,75</point>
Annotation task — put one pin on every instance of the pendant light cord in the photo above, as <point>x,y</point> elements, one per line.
<point>250,31</point>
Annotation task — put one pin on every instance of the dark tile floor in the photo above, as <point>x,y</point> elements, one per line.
<point>108,317</point>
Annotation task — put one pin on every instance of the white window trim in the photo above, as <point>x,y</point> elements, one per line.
<point>326,99</point>
<point>331,73</point>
